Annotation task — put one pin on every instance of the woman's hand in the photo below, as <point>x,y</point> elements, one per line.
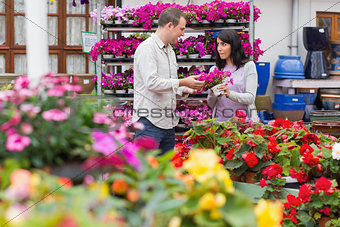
<point>225,90</point>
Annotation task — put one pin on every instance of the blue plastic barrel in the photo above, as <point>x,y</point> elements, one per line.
<point>263,72</point>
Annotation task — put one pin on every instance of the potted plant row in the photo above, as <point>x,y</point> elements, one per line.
<point>217,13</point>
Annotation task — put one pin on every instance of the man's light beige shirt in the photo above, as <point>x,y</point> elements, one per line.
<point>156,83</point>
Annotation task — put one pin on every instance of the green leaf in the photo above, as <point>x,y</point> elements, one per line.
<point>222,140</point>
<point>303,217</point>
<point>260,150</point>
<point>198,130</point>
<point>241,170</point>
<point>295,159</point>
<point>244,148</point>
<point>238,211</point>
<point>233,164</point>
<point>327,153</point>
<point>190,206</point>
<point>169,204</point>
<point>204,220</point>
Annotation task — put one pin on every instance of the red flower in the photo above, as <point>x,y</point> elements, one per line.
<point>147,143</point>
<point>300,176</point>
<point>306,149</point>
<point>251,143</point>
<point>65,182</point>
<point>259,131</point>
<point>290,147</point>
<point>273,171</point>
<point>263,183</point>
<point>250,159</point>
<point>305,193</point>
<point>319,155</point>
<point>273,148</point>
<point>310,160</point>
<point>177,160</point>
<point>294,201</point>
<point>221,161</point>
<point>230,154</point>
<point>281,123</point>
<point>310,137</point>
<point>318,167</point>
<point>325,210</point>
<point>286,205</point>
<point>196,139</point>
<point>323,184</point>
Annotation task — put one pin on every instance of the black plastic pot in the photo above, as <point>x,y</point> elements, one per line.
<point>315,40</point>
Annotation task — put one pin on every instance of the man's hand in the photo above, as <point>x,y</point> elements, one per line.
<point>189,91</point>
<point>191,82</point>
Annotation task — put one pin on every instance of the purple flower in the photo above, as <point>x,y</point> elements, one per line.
<point>129,151</point>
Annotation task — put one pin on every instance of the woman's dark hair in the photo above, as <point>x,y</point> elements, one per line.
<point>237,54</point>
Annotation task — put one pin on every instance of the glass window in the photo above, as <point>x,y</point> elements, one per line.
<point>2,30</point>
<point>79,9</point>
<point>75,64</point>
<point>91,65</point>
<point>19,30</point>
<point>74,26</point>
<point>53,63</point>
<point>2,6</point>
<point>52,7</point>
<point>52,26</point>
<point>19,6</point>
<point>20,65</point>
<point>326,22</point>
<point>2,63</point>
<point>338,30</point>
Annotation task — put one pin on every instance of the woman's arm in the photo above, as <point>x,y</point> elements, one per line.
<point>248,97</point>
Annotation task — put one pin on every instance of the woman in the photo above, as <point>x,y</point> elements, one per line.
<point>239,97</point>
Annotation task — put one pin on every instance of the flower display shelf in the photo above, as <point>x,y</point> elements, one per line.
<point>189,27</point>
<point>185,60</point>
<point>180,63</point>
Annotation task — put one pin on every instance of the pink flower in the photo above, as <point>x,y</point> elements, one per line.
<point>54,115</point>
<point>88,180</point>
<point>101,118</point>
<point>15,142</point>
<point>30,109</point>
<point>129,151</point>
<point>57,91</point>
<point>105,176</point>
<point>120,133</point>
<point>20,187</point>
<point>104,143</point>
<point>137,125</point>
<point>26,128</point>
<point>21,82</point>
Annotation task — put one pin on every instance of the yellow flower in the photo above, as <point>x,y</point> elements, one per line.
<point>215,214</point>
<point>201,164</point>
<point>269,214</point>
<point>209,201</point>
<point>103,190</point>
<point>175,222</point>
<point>223,175</point>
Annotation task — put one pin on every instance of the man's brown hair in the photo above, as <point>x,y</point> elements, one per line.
<point>170,15</point>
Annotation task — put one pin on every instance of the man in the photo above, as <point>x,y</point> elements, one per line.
<point>156,83</point>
